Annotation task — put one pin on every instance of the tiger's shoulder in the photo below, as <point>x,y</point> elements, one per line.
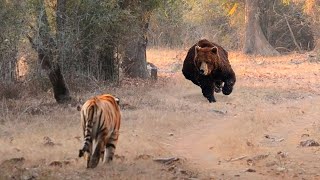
<point>94,101</point>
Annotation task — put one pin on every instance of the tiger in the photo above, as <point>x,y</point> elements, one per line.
<point>100,121</point>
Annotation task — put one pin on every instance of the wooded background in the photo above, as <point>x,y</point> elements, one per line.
<point>59,41</point>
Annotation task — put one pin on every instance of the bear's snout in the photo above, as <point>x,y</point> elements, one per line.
<point>204,70</point>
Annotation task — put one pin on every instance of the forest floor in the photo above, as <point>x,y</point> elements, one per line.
<point>264,130</point>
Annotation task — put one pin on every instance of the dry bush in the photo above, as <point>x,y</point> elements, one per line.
<point>36,84</point>
<point>279,19</point>
<point>10,90</point>
<point>81,83</point>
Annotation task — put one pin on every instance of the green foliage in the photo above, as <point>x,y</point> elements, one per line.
<point>12,20</point>
<point>91,35</point>
<point>95,30</point>
<point>166,23</point>
<point>184,22</point>
<point>150,5</point>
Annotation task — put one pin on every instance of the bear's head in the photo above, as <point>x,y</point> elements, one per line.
<point>206,59</point>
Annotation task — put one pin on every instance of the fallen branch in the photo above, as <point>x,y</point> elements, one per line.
<point>274,139</point>
<point>279,140</point>
<point>166,160</point>
<point>236,159</point>
<point>218,111</point>
<point>166,144</point>
<point>309,143</point>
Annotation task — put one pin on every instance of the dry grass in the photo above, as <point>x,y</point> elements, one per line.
<point>275,96</point>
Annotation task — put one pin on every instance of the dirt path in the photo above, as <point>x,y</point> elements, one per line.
<point>258,128</point>
<point>274,107</point>
<point>273,131</point>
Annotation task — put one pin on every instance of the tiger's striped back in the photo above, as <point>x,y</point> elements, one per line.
<point>100,119</point>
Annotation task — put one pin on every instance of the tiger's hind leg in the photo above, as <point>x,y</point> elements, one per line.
<point>86,151</point>
<point>94,159</point>
<point>111,147</point>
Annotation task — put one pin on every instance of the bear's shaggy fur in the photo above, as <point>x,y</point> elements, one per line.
<point>207,66</point>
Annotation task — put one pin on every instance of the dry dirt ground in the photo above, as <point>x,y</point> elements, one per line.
<point>255,133</point>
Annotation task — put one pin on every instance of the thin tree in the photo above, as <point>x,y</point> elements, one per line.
<point>46,47</point>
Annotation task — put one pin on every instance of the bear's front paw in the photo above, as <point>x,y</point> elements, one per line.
<point>218,86</point>
<point>226,90</point>
<point>211,99</point>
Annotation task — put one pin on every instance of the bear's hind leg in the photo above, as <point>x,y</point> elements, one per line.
<point>208,92</point>
<point>218,86</point>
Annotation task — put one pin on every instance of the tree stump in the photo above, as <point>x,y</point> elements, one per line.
<point>153,71</point>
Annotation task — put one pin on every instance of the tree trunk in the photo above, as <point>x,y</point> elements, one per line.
<point>312,11</point>
<point>135,59</point>
<point>255,40</point>
<point>48,55</point>
<point>134,62</point>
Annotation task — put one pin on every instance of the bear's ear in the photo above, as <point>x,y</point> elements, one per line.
<point>197,48</point>
<point>214,50</point>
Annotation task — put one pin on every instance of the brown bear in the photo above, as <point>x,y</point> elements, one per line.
<point>207,66</point>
